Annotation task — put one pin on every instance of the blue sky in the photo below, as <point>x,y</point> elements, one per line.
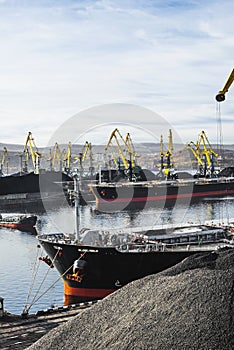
<point>59,58</point>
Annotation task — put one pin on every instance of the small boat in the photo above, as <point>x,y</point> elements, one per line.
<point>18,221</point>
<point>101,261</point>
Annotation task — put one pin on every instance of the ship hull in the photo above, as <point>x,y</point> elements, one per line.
<point>128,196</point>
<point>30,191</point>
<point>32,183</point>
<point>106,269</point>
<point>21,222</point>
<point>16,225</point>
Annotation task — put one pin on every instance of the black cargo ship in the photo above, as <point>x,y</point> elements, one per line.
<point>104,261</point>
<point>31,188</point>
<point>137,195</point>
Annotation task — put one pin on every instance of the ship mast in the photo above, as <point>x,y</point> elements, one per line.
<point>77,212</point>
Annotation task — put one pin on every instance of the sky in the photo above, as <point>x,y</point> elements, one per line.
<point>62,58</point>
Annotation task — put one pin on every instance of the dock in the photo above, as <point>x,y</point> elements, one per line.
<point>19,333</point>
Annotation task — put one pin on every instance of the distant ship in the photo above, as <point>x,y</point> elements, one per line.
<point>127,195</point>
<point>28,188</point>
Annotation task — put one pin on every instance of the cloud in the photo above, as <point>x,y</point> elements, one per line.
<point>60,57</point>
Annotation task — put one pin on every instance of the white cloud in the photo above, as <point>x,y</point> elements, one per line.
<point>59,57</point>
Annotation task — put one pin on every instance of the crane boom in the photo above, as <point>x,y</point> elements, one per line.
<point>4,156</point>
<point>35,154</point>
<point>55,156</point>
<point>221,95</point>
<point>4,160</point>
<point>194,148</point>
<point>67,157</point>
<point>87,148</point>
<point>203,153</point>
<point>120,150</point>
<point>207,151</point>
<point>130,149</point>
<point>161,153</point>
<point>168,154</point>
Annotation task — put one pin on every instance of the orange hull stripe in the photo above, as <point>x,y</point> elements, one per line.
<point>86,292</point>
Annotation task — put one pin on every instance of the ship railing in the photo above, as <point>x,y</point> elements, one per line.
<point>165,182</point>
<point>55,237</point>
<point>179,237</point>
<point>143,247</point>
<point>152,246</point>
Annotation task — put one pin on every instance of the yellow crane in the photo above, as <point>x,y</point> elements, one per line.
<point>67,158</point>
<point>33,152</point>
<point>116,135</point>
<point>56,157</point>
<point>87,149</point>
<point>195,149</point>
<point>221,95</point>
<point>4,160</point>
<point>168,154</point>
<point>162,154</point>
<point>203,153</point>
<point>121,152</point>
<point>208,153</point>
<point>130,149</point>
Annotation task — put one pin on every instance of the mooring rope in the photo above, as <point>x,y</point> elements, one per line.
<point>35,300</point>
<point>34,274</point>
<point>43,280</point>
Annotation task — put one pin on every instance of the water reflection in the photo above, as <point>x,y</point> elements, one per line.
<point>63,220</point>
<point>18,250</point>
<point>29,230</point>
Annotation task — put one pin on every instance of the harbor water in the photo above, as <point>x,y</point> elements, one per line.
<point>26,280</point>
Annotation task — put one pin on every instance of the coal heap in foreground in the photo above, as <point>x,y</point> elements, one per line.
<point>189,306</point>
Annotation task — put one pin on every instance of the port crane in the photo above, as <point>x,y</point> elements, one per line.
<point>207,152</point>
<point>221,95</point>
<point>116,135</point>
<point>195,150</point>
<point>67,158</point>
<point>32,152</point>
<point>130,149</point>
<point>125,161</point>
<point>168,154</point>
<point>4,161</point>
<point>161,153</point>
<point>87,149</point>
<point>203,153</point>
<point>56,157</point>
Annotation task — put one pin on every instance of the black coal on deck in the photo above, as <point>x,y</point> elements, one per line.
<point>189,306</point>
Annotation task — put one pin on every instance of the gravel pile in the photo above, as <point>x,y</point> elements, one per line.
<point>189,306</point>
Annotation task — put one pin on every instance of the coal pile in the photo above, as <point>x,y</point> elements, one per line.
<point>189,306</point>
